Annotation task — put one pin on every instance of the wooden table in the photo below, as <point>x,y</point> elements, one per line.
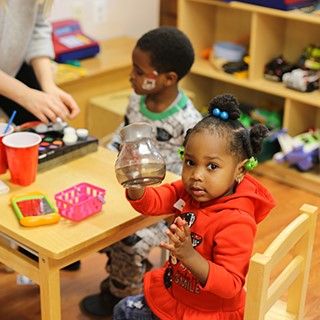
<point>65,242</point>
<point>106,72</point>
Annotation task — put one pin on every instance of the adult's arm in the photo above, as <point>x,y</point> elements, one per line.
<point>58,101</point>
<point>51,103</point>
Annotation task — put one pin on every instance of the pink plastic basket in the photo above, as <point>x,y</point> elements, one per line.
<point>80,201</point>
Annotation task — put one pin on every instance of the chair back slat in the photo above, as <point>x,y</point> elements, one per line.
<point>288,238</point>
<point>281,284</point>
<point>294,245</point>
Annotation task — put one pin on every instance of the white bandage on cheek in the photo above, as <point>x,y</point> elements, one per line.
<point>148,84</point>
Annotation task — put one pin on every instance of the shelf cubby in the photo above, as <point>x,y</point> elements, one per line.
<point>269,33</point>
<point>300,117</point>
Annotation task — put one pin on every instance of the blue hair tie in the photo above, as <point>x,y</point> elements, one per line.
<point>223,115</point>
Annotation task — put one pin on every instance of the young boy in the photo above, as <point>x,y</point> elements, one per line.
<point>160,59</point>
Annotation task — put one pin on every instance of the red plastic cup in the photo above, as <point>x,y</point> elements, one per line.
<point>22,155</point>
<point>3,157</point>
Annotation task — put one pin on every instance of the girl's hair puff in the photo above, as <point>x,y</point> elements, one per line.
<point>243,143</point>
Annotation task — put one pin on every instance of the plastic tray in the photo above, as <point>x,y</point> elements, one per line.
<point>229,51</point>
<point>80,201</point>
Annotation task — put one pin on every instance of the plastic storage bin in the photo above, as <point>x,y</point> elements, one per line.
<point>229,51</point>
<point>280,4</point>
<point>80,201</point>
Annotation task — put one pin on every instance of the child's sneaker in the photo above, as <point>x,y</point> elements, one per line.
<point>100,305</point>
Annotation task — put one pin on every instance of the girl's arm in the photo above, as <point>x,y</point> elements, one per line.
<point>198,266</point>
<point>224,274</point>
<point>155,200</point>
<point>181,247</point>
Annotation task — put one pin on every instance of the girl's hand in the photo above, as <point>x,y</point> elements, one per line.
<point>180,244</point>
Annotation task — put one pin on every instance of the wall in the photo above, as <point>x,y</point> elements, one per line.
<point>103,19</point>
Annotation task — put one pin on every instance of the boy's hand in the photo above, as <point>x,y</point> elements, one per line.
<point>180,244</point>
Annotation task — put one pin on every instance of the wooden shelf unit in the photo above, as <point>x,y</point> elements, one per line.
<point>168,12</point>
<point>269,33</point>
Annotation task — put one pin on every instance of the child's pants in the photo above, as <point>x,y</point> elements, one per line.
<point>133,308</point>
<point>127,261</point>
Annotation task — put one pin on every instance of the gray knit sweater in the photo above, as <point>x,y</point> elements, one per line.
<point>24,34</point>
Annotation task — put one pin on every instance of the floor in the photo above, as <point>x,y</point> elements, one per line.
<point>21,302</point>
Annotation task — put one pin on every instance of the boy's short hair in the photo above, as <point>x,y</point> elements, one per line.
<point>170,50</point>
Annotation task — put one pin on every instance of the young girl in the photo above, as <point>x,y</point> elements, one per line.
<point>217,207</point>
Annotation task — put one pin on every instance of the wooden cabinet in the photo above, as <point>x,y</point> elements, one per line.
<point>168,12</point>
<point>268,32</point>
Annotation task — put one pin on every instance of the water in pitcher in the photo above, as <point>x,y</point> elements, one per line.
<point>141,174</point>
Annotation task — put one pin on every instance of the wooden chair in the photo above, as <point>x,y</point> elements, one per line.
<point>292,247</point>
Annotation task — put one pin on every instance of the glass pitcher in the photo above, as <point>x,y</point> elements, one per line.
<point>139,163</point>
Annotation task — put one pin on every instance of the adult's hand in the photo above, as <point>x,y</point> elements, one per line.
<point>46,107</point>
<point>66,107</point>
<point>66,99</point>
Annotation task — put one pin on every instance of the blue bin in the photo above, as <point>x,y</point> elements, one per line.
<point>280,4</point>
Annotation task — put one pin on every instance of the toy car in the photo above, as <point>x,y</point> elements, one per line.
<point>302,80</point>
<point>276,68</point>
<point>301,151</point>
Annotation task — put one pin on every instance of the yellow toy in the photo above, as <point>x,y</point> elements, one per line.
<point>34,209</point>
